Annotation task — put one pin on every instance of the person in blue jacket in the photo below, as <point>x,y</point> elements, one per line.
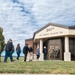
<point>38,53</point>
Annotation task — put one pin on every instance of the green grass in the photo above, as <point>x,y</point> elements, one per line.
<point>43,67</point>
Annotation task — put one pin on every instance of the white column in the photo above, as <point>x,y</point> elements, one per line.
<point>67,54</point>
<point>41,49</point>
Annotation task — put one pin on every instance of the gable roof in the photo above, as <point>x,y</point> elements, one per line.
<point>54,24</point>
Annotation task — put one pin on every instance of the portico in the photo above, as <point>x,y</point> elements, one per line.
<point>56,36</point>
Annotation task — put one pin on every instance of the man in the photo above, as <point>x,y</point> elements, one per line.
<point>30,52</point>
<point>45,51</point>
<point>25,51</point>
<point>8,51</point>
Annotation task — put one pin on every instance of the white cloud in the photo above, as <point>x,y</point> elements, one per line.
<point>54,11</point>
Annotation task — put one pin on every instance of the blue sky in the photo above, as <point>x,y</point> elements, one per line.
<point>21,18</point>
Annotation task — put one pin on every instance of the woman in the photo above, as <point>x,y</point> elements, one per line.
<point>38,53</point>
<point>18,50</point>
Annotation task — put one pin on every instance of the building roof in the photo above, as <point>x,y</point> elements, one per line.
<point>54,24</point>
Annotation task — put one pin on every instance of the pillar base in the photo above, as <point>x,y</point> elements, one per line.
<point>67,56</point>
<point>41,57</point>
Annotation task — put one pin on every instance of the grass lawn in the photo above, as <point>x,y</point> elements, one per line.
<point>43,67</point>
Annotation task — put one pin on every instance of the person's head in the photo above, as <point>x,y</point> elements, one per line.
<point>44,46</point>
<point>26,44</point>
<point>10,40</point>
<point>18,44</point>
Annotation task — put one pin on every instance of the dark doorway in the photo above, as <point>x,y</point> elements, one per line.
<point>72,48</point>
<point>58,48</point>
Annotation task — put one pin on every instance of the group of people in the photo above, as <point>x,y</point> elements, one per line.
<point>27,48</point>
<point>9,51</point>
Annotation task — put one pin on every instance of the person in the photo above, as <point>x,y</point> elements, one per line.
<point>57,53</point>
<point>31,53</point>
<point>38,53</point>
<point>51,53</point>
<point>0,51</point>
<point>18,51</point>
<point>45,51</point>
<point>8,51</point>
<point>25,51</point>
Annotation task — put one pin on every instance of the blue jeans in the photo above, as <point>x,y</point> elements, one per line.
<point>8,54</point>
<point>18,55</point>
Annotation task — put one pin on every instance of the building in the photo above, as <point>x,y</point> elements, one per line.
<point>58,37</point>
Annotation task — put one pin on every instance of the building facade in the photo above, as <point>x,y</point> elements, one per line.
<point>59,38</point>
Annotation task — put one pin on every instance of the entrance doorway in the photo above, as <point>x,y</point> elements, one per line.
<point>55,49</point>
<point>72,48</point>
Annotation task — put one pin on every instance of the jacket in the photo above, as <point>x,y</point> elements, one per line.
<point>37,52</point>
<point>25,49</point>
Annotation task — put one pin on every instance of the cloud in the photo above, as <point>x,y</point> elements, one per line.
<point>54,11</point>
<point>21,18</point>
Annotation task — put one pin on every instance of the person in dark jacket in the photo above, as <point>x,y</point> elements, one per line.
<point>45,51</point>
<point>25,51</point>
<point>8,51</point>
<point>31,53</point>
<point>18,51</point>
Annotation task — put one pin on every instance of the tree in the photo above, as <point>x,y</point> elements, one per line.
<point>2,42</point>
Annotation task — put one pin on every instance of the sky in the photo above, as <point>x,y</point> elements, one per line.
<point>21,18</point>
